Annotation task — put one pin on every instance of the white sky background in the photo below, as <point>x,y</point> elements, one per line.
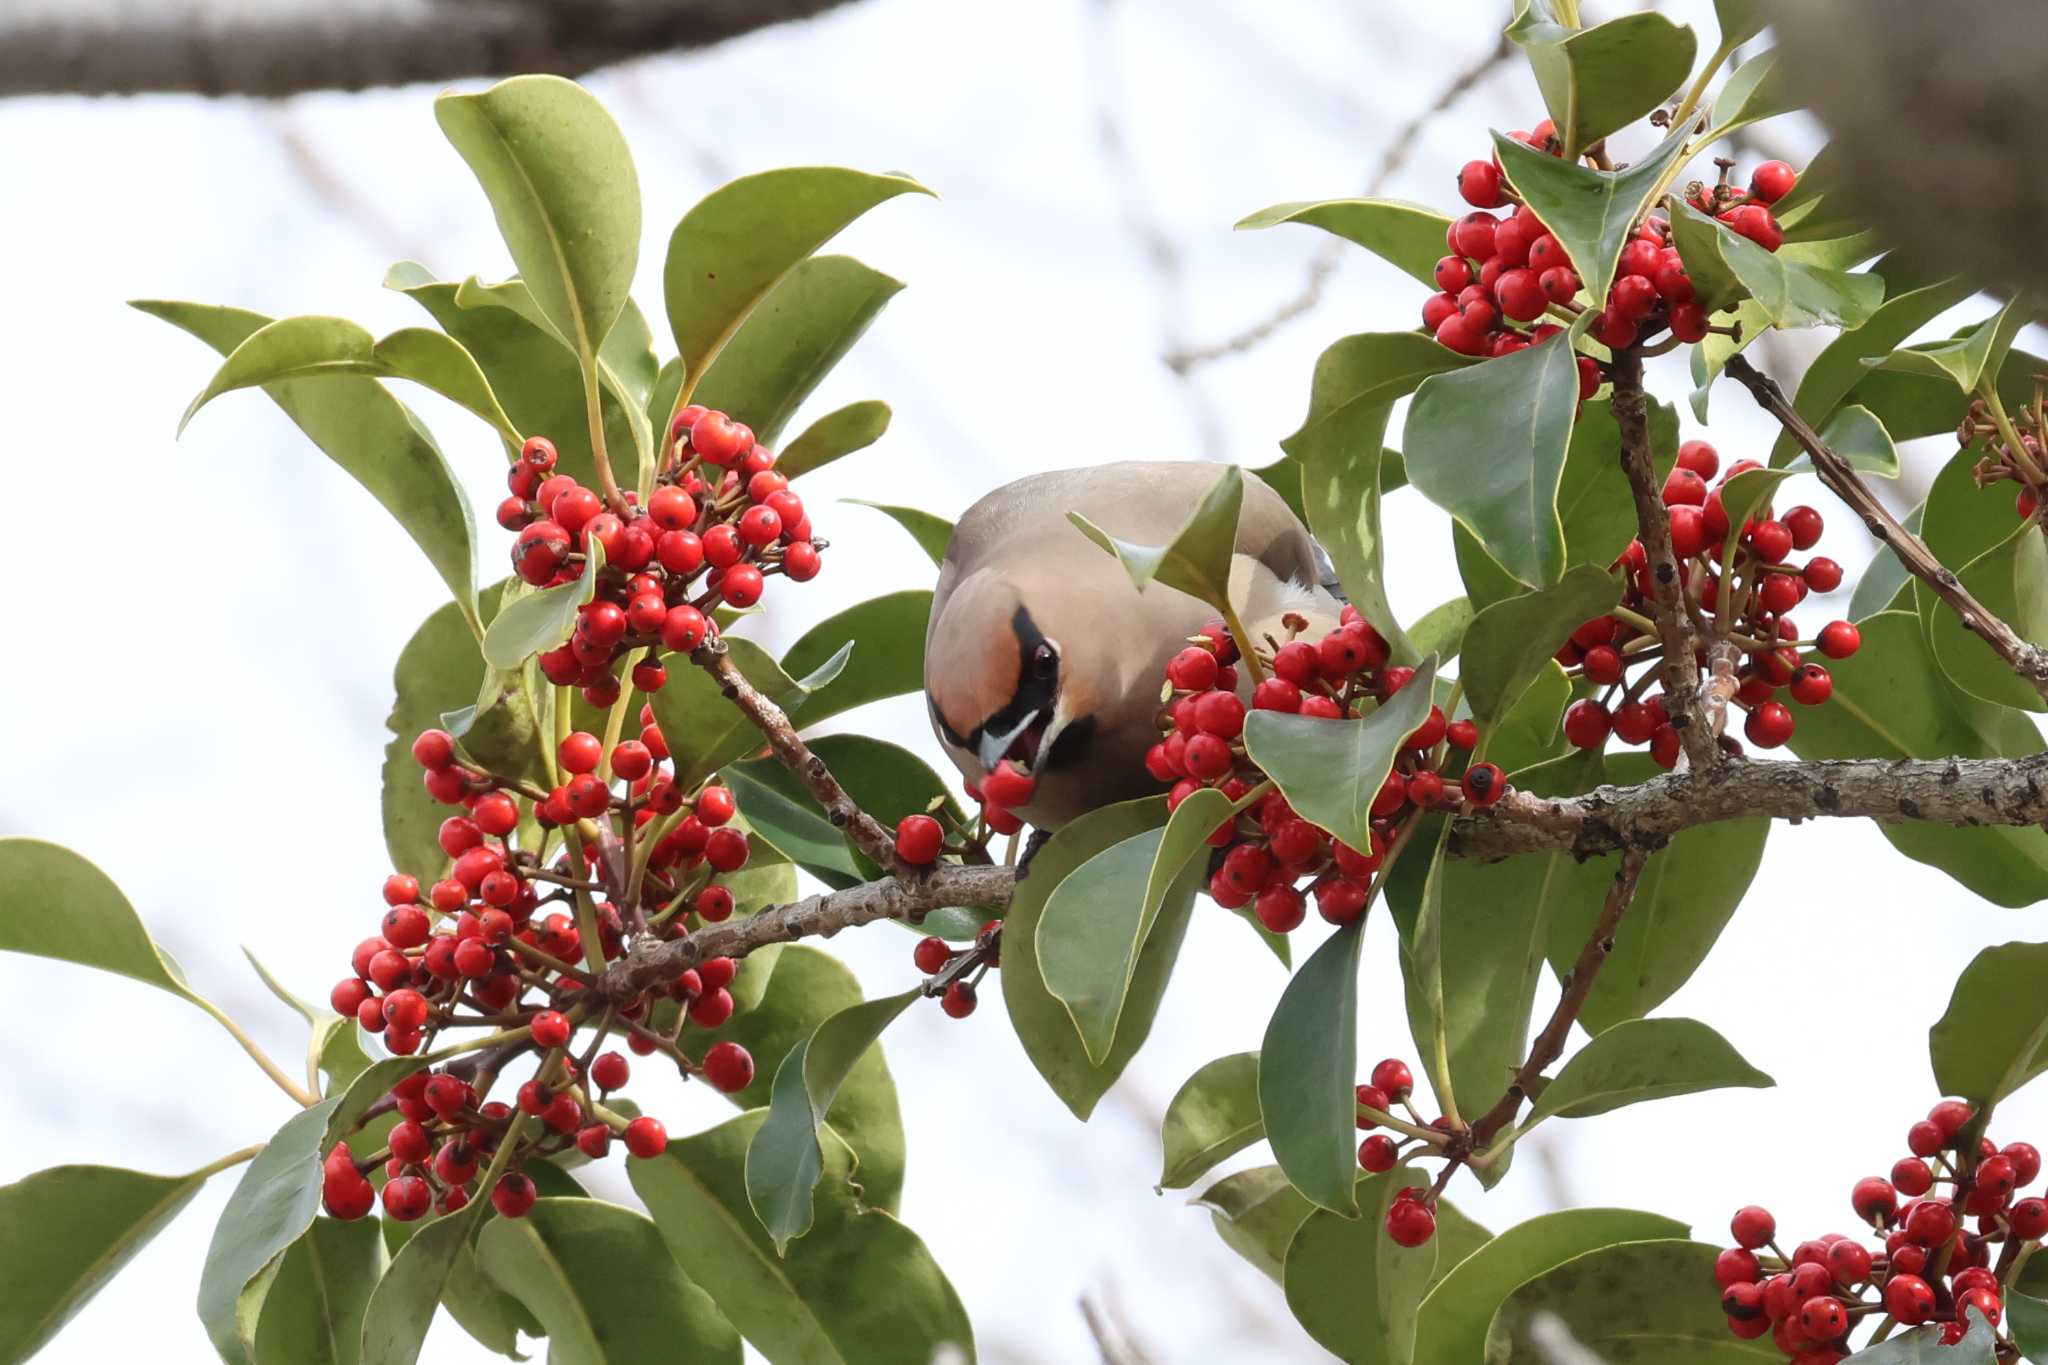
<point>200,710</point>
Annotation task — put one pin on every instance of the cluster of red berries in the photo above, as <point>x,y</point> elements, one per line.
<point>481,949</point>
<point>1506,275</point>
<point>1411,1218</point>
<point>1267,848</point>
<point>2012,446</point>
<point>955,973</point>
<point>704,539</point>
<point>1932,1268</point>
<point>1748,567</point>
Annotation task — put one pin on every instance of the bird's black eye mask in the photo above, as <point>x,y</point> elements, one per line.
<point>1024,717</point>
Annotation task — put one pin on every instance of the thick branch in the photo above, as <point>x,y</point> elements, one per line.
<point>1578,984</point>
<point>820,916</point>
<point>110,47</point>
<point>1674,612</point>
<point>2027,660</point>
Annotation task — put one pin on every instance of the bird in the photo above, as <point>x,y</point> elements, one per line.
<point>1041,650</point>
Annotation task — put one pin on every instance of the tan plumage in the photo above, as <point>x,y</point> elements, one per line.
<point>1020,578</point>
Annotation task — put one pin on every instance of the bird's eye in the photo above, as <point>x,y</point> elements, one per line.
<point>1045,661</point>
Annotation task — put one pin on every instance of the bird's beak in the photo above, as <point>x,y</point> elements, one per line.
<point>994,748</point>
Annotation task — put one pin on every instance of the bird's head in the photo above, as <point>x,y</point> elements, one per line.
<point>1005,677</point>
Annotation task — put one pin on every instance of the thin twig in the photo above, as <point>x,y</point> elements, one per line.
<point>2029,661</point>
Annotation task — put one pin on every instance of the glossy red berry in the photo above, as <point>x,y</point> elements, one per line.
<point>2029,1219</point>
<point>1772,181</point>
<point>931,955</point>
<point>514,1194</point>
<point>1483,784</point>
<point>1752,1227</point>
<point>1874,1200</point>
<point>1410,1223</point>
<point>1769,725</point>
<point>434,749</point>
<point>1393,1079</point>
<point>1379,1153</point>
<point>551,1028</point>
<point>1479,183</point>
<point>918,839</point>
<point>959,1000</point>
<point>1909,1298</point>
<point>1911,1177</point>
<point>1586,723</point>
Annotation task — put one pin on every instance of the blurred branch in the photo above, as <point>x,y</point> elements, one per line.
<point>1184,359</point>
<point>114,47</point>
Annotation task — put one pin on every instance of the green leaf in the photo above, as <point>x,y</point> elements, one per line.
<point>1965,359</point>
<point>1408,236</point>
<point>1740,21</point>
<point>1591,213</point>
<point>1457,1237</point>
<point>1751,319</point>
<point>932,533</point>
<point>65,1232</point>
<point>561,183</point>
<point>792,340</point>
<point>1212,1117</point>
<point>1486,582</point>
<point>313,1312</point>
<point>837,434</point>
<point>1913,405</point>
<point>1441,629</point>
<point>1598,80</point>
<point>1892,701</point>
<point>1993,1037</point>
<point>1593,498</point>
<point>889,661</point>
<point>1415,898</point>
<point>1632,1303</point>
<point>1685,896</point>
<point>785,1161</point>
<point>791,823</point>
<point>703,730</point>
<point>1366,371</point>
<point>1197,559</point>
<point>1508,643</point>
<point>740,241</point>
<point>1531,734</point>
<point>1450,1327</point>
<point>541,621</point>
<point>1042,1023</point>
<point>271,1208</point>
<point>1755,92</point>
<point>313,347</point>
<point>1789,293</point>
<point>1256,1213</point>
<point>1884,584</point>
<point>1488,446</point>
<point>1857,436</point>
<point>1922,1346</point>
<point>1643,1059</point>
<point>373,437</point>
<point>2026,1318</point>
<point>1339,457</point>
<point>603,1285</point>
<point>861,1287</point>
<point>402,1305</point>
<point>1350,1285</point>
<point>55,904</point>
<point>1330,770</point>
<point>1306,1073</point>
<point>800,991</point>
<point>2003,563</point>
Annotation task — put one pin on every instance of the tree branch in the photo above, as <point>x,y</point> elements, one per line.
<point>2027,660</point>
<point>1674,612</point>
<point>97,47</point>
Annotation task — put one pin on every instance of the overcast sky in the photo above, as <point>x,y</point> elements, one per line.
<point>202,632</point>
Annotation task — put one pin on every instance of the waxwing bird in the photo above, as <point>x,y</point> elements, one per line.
<point>1041,651</point>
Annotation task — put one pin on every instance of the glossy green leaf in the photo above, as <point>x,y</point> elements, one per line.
<point>1751,320</point>
<point>2026,1318</point>
<point>1415,899</point>
<point>604,1286</point>
<point>1212,1117</point>
<point>861,1287</point>
<point>1338,457</point>
<point>1369,370</point>
<point>1913,405</point>
<point>55,904</point>
<point>1485,581</point>
<point>1790,293</point>
<point>1531,734</point>
<point>743,239</point>
<point>703,730</point>
<point>1407,236</point>
<point>1993,1037</point>
<point>1488,446</point>
<point>1350,1285</point>
<point>1922,1346</point>
<point>1598,80</point>
<point>1757,90</point>
<point>543,620</point>
<point>785,1160</point>
<point>561,183</point>
<point>1306,1071</point>
<point>313,1312</point>
<point>791,823</point>
<point>2004,564</point>
<point>1857,436</point>
<point>1965,359</point>
<point>1509,642</point>
<point>1591,213</point>
<point>373,437</point>
<point>1685,895</point>
<point>1643,1059</point>
<point>1197,559</point>
<point>1593,498</point>
<point>271,1208</point>
<point>792,340</point>
<point>1256,1213</point>
<point>1740,21</point>
<point>313,347</point>
<point>887,661</point>
<point>1457,1237</point>
<point>1633,1303</point>
<point>403,1304</point>
<point>1892,701</point>
<point>837,434</point>
<point>932,533</point>
<point>1884,584</point>
<point>1441,629</point>
<point>1042,1023</point>
<point>1330,770</point>
<point>1451,1325</point>
<point>65,1232</point>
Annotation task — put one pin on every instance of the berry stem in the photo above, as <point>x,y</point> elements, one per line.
<point>1247,648</point>
<point>1693,97</point>
<point>586,912</point>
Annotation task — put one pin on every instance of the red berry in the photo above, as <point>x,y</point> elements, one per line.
<point>726,850</point>
<point>1379,1153</point>
<point>1950,1116</point>
<point>1393,1079</point>
<point>1483,784</point>
<point>514,1194</point>
<point>1586,723</point>
<point>959,1000</point>
<point>719,439</point>
<point>918,839</point>
<point>1410,1223</point>
<point>434,749</point>
<point>2025,1159</point>
<point>1280,908</point>
<point>1752,1227</point>
<point>1823,1318</point>
<point>610,1071</point>
<point>551,1028</point>
<point>1479,184</point>
<point>1769,726</point>
<point>1909,1298</point>
<point>2029,1219</point>
<point>1839,639</point>
<point>1874,1200</point>
<point>742,585</point>
<point>1472,235</point>
<point>1735,1266</point>
<point>580,752</point>
<point>1911,1177</point>
<point>1772,181</point>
